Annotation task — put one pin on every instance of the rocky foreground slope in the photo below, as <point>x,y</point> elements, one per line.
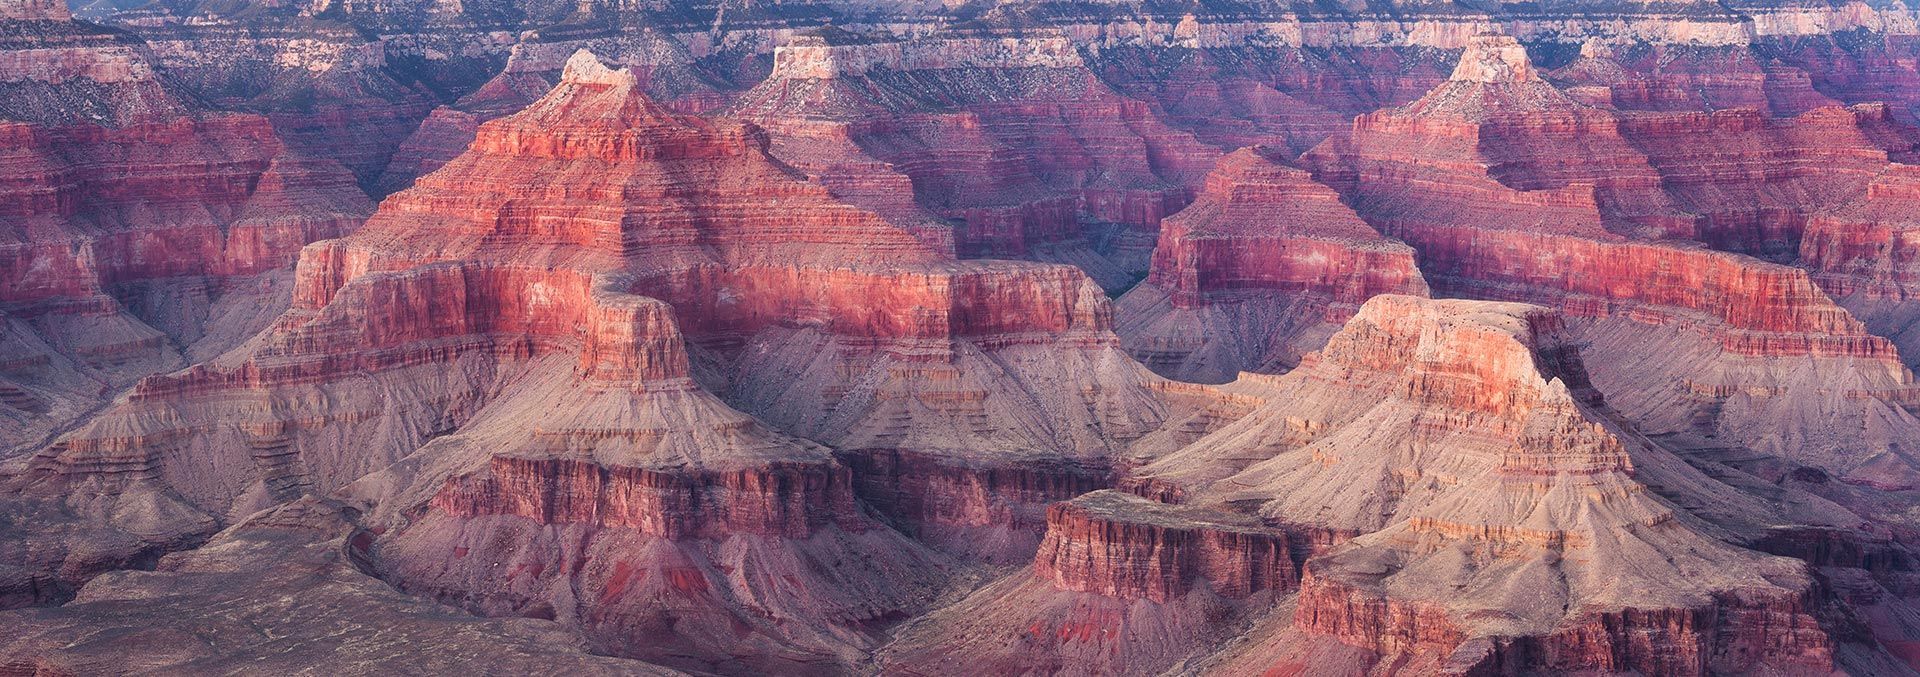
<point>852,338</point>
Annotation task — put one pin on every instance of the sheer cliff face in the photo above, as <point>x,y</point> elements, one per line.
<point>137,229</point>
<point>1475,176</point>
<point>1013,140</point>
<point>1258,271</point>
<point>572,255</point>
<point>1436,446</point>
<point>1431,447</point>
<point>830,337</point>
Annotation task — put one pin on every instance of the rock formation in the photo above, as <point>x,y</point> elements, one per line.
<point>1279,95</point>
<point>1751,349</point>
<point>663,68</point>
<point>650,515</point>
<point>139,230</point>
<point>1012,138</point>
<point>699,358</point>
<point>548,264</point>
<point>327,89</point>
<point>1258,271</point>
<point>1672,77</point>
<point>1121,584</point>
<point>1863,255</point>
<point>1473,505</point>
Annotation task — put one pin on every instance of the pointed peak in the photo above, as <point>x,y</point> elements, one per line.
<point>583,68</point>
<point>591,94</point>
<point>1494,58</point>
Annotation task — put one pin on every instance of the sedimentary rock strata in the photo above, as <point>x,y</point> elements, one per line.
<point>140,230</point>
<point>431,335</point>
<point>820,337</point>
<point>1258,271</point>
<point>1436,446</point>
<point>1013,139</point>
<point>1120,584</point>
<point>1746,339</point>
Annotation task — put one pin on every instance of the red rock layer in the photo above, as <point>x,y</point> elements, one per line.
<point>1012,137</point>
<point>1876,69</point>
<point>1481,236</point>
<point>995,512</point>
<point>511,278</point>
<point>327,88</point>
<point>442,136</point>
<point>1117,545</point>
<point>1236,236</point>
<point>96,206</point>
<point>659,524</point>
<point>1120,584</point>
<point>1866,250</point>
<point>1734,632</point>
<point>1725,320</point>
<point>1752,182</point>
<point>661,67</point>
<point>1286,97</point>
<point>1863,254</point>
<point>464,315</point>
<point>435,313</point>
<point>787,500</point>
<point>1255,273</point>
<point>1656,77</point>
<point>133,228</point>
<point>829,154</point>
<point>1463,446</point>
<point>770,291</point>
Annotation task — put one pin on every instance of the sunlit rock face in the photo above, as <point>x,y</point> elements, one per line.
<point>1476,177</point>
<point>1258,271</point>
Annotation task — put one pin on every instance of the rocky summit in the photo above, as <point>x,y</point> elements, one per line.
<point>839,337</point>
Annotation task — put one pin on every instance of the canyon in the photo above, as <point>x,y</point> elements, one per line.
<point>836,337</point>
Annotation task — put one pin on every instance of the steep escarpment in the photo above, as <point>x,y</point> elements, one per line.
<point>327,88</point>
<point>1012,138</point>
<point>139,229</point>
<point>1238,93</point>
<point>1120,584</point>
<point>1747,344</point>
<point>1441,446</point>
<point>574,254</point>
<point>656,520</point>
<point>1655,76</point>
<point>780,341</point>
<point>1752,183</point>
<point>1258,271</point>
<point>1863,255</point>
